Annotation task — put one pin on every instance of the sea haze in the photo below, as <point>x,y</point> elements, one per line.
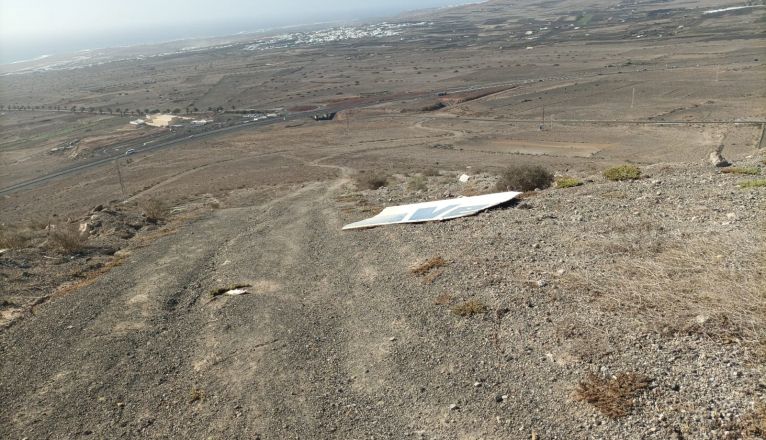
<point>41,44</point>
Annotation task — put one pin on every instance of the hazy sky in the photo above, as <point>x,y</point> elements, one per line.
<point>42,18</point>
<point>31,28</point>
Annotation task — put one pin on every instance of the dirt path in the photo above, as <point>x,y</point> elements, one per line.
<point>146,350</point>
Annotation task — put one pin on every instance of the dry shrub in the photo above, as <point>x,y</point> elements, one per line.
<point>623,172</point>
<point>430,172</point>
<point>371,181</point>
<point>38,223</point>
<point>425,267</point>
<point>705,286</point>
<point>753,425</point>
<point>196,395</point>
<point>612,396</point>
<point>417,183</point>
<point>154,210</point>
<point>471,190</point>
<point>13,238</point>
<point>67,239</point>
<point>470,308</point>
<point>431,277</point>
<point>443,299</point>
<point>524,178</point>
<point>433,107</point>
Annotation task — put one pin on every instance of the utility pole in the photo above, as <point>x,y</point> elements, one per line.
<point>119,176</point>
<point>543,124</point>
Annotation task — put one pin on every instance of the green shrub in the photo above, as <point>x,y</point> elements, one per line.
<point>623,172</point>
<point>524,178</point>
<point>753,171</point>
<point>759,183</point>
<point>567,182</point>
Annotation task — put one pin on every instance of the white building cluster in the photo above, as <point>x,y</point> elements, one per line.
<point>341,33</point>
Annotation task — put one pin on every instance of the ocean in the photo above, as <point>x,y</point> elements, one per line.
<point>34,48</point>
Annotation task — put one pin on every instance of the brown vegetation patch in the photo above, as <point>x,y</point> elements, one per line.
<point>67,238</point>
<point>13,238</point>
<point>470,308</point>
<point>430,277</point>
<point>154,210</point>
<point>753,426</point>
<point>371,180</point>
<point>752,171</point>
<point>417,183</point>
<point>90,277</point>
<point>612,396</point>
<point>524,178</point>
<point>443,299</point>
<point>196,395</point>
<point>700,286</point>
<point>425,267</point>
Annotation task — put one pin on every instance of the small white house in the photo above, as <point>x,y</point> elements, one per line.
<point>138,122</point>
<point>199,122</point>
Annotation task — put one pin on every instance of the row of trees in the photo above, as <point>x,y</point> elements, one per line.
<point>118,111</point>
<point>102,110</point>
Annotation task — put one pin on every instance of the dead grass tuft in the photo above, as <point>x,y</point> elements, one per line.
<point>67,239</point>
<point>443,299</point>
<point>471,190</point>
<point>425,267</point>
<point>371,180</point>
<point>753,425</point>
<point>710,286</point>
<point>154,210</point>
<point>612,396</point>
<point>524,178</point>
<point>13,238</point>
<point>417,183</point>
<point>196,395</point>
<point>430,277</point>
<point>470,308</point>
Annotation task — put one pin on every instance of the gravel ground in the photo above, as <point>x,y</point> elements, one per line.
<point>338,338</point>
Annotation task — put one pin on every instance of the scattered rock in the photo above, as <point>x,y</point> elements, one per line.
<point>716,158</point>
